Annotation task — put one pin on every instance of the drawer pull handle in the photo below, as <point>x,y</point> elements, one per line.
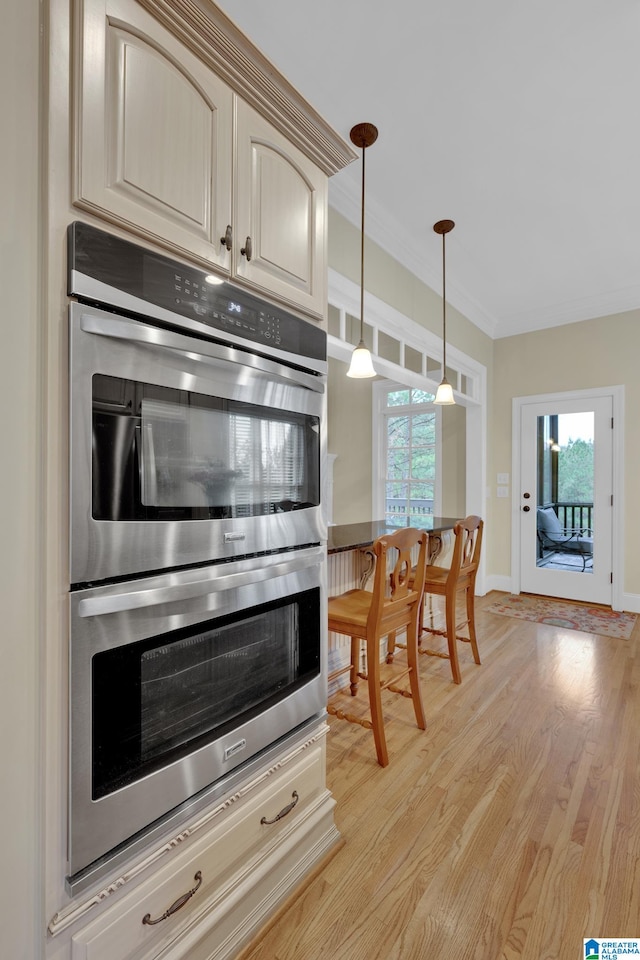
<point>177,904</point>
<point>285,810</point>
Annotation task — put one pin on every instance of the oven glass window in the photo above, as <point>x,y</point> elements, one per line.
<point>166,454</point>
<point>159,699</point>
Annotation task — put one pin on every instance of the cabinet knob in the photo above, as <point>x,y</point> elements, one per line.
<point>246,250</point>
<point>526,509</point>
<point>228,236</point>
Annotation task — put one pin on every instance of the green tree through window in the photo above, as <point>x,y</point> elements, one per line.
<point>575,472</point>
<point>410,473</point>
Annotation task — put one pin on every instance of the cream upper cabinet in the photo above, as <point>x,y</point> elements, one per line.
<point>168,150</point>
<point>154,132</point>
<point>280,201</point>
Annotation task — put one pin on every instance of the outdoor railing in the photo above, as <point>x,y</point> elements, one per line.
<point>573,516</point>
<point>398,507</point>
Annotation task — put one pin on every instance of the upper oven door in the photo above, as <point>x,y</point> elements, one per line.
<point>184,450</point>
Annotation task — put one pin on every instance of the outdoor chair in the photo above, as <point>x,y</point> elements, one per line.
<point>554,538</point>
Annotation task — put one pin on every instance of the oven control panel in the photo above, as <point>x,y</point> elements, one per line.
<point>228,308</point>
<point>112,272</point>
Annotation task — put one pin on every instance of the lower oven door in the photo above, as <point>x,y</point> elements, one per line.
<point>176,680</point>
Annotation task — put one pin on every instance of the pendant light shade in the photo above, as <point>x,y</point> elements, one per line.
<point>362,135</point>
<point>361,365</point>
<point>444,393</point>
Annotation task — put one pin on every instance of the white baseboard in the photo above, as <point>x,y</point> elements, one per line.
<point>631,602</point>
<point>497,582</point>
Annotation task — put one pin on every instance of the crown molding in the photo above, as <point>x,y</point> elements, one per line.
<point>573,311</point>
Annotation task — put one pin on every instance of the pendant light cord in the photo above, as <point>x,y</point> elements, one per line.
<point>444,311</point>
<point>364,150</point>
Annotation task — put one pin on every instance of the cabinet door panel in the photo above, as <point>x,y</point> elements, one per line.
<point>157,111</point>
<point>283,216</point>
<point>154,131</point>
<point>281,205</point>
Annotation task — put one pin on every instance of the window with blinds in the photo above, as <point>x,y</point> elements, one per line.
<point>269,456</point>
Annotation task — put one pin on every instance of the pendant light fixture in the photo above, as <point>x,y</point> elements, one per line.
<point>444,393</point>
<point>362,135</point>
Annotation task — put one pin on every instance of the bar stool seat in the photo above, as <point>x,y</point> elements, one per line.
<point>369,616</point>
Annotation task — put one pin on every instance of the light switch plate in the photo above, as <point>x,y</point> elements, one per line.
<point>502,492</point>
<point>503,479</point>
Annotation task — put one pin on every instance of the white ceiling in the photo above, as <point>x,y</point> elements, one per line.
<point>519,120</point>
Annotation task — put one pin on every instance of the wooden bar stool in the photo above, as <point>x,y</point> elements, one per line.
<point>449,582</point>
<point>394,604</point>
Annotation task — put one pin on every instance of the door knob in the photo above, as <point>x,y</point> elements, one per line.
<point>526,508</point>
<point>526,495</point>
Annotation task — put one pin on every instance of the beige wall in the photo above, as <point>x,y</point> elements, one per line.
<point>453,461</point>
<point>23,924</point>
<point>577,356</point>
<point>349,437</point>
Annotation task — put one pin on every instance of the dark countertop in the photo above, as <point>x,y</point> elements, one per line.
<point>351,536</point>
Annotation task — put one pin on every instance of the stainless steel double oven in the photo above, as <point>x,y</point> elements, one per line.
<point>197,542</point>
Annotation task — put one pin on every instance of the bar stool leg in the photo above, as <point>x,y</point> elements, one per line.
<point>414,677</point>
<point>375,700</point>
<point>450,613</point>
<point>471,620</point>
<point>355,665</point>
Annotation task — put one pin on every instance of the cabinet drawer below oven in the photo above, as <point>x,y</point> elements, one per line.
<point>248,831</point>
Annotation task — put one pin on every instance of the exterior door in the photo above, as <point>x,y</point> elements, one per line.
<point>566,495</point>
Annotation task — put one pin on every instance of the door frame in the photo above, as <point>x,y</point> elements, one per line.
<point>617,530</point>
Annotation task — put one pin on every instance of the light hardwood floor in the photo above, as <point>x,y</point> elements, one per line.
<point>509,828</point>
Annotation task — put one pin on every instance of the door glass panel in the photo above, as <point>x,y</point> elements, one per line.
<point>565,492</point>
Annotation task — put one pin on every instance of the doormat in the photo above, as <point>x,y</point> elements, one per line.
<point>571,616</point>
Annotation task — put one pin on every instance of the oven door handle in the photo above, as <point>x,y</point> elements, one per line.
<point>172,593</point>
<point>203,351</point>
